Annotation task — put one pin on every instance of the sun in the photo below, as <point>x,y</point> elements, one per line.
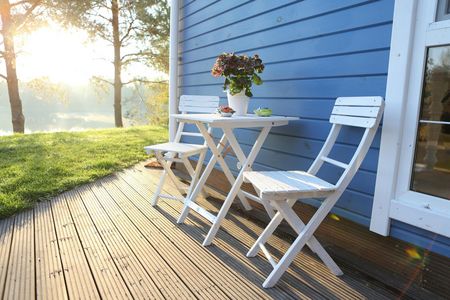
<point>64,56</point>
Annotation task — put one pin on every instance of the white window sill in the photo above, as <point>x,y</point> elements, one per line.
<point>422,211</point>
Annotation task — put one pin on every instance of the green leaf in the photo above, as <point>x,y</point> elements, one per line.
<point>256,79</point>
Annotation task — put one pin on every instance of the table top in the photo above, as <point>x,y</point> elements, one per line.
<point>249,120</point>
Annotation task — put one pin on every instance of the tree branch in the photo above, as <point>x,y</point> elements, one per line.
<point>102,80</point>
<point>128,32</point>
<point>136,54</point>
<point>28,12</point>
<point>3,76</point>
<point>96,14</point>
<point>141,80</point>
<point>19,3</point>
<point>105,37</point>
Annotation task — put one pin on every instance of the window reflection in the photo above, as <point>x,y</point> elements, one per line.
<point>443,10</point>
<point>431,172</point>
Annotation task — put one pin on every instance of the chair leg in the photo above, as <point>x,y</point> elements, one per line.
<point>166,166</point>
<point>193,172</point>
<point>303,237</point>
<point>198,170</point>
<point>269,230</point>
<point>269,209</point>
<point>296,223</point>
<point>266,234</point>
<point>155,197</point>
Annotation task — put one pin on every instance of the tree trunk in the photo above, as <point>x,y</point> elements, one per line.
<point>117,65</point>
<point>18,119</point>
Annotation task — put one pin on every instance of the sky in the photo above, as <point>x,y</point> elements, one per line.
<point>70,58</point>
<point>66,56</point>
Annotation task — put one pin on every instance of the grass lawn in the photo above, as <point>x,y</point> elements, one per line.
<point>38,166</point>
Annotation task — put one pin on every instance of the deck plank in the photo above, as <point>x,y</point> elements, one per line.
<point>107,276</point>
<point>169,283</point>
<point>200,275</point>
<point>180,260</point>
<point>126,260</point>
<point>218,270</point>
<point>50,282</point>
<point>105,241</point>
<point>20,281</point>
<point>235,252</point>
<point>6,235</point>
<point>79,280</point>
<point>313,272</point>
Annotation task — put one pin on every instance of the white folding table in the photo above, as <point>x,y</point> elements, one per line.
<point>227,124</point>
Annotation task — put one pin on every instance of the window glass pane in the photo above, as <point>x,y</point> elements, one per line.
<point>431,172</point>
<point>443,10</point>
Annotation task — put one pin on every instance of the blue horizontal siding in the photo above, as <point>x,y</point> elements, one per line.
<point>205,19</point>
<point>196,8</point>
<point>333,23</point>
<point>316,88</point>
<point>420,237</point>
<point>314,52</point>
<point>363,39</point>
<point>243,21</point>
<point>358,64</point>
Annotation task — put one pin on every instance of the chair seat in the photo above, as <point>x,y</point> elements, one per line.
<point>281,185</point>
<point>180,148</point>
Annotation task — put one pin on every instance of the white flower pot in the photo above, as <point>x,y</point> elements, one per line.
<point>238,102</point>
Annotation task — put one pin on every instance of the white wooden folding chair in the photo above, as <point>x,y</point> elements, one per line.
<point>283,188</point>
<point>177,151</point>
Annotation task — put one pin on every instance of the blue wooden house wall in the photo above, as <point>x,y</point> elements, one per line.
<point>314,51</point>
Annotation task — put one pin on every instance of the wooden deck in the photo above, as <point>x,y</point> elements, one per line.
<point>104,240</point>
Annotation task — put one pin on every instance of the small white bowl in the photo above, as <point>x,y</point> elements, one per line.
<point>224,114</point>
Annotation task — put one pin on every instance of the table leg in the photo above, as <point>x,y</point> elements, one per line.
<point>219,157</point>
<point>237,185</point>
<point>241,157</point>
<point>201,182</point>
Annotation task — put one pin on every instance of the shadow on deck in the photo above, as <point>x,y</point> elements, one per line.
<point>104,240</point>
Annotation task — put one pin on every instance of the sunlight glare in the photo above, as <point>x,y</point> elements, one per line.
<point>63,57</point>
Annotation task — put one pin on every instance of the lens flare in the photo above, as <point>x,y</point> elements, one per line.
<point>335,217</point>
<point>413,253</point>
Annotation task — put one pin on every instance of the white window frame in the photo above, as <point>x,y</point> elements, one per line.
<point>414,29</point>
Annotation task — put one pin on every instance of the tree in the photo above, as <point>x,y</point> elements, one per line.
<point>138,32</point>
<point>16,17</point>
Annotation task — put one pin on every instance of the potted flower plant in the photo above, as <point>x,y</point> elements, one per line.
<point>240,72</point>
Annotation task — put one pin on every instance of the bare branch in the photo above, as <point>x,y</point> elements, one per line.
<point>95,14</point>
<point>28,12</point>
<point>105,37</point>
<point>102,80</point>
<point>102,4</point>
<point>128,32</point>
<point>142,80</point>
<point>127,6</point>
<point>137,54</point>
<point>3,76</point>
<point>19,3</point>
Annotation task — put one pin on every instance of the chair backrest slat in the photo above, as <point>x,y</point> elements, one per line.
<point>357,111</point>
<point>188,133</point>
<point>353,121</point>
<point>334,162</point>
<point>363,112</point>
<point>198,104</point>
<point>195,104</point>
